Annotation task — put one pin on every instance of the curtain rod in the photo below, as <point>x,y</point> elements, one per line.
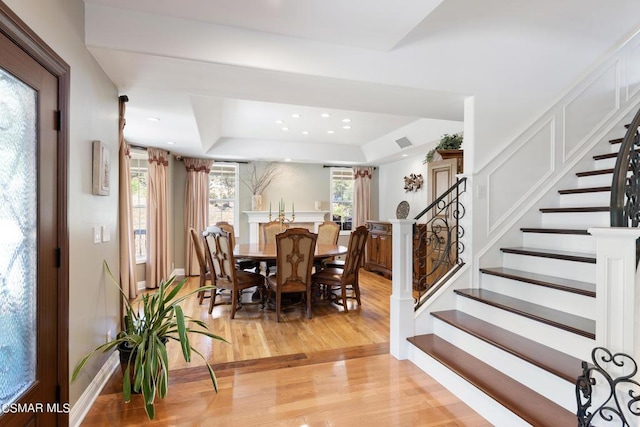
<point>336,166</point>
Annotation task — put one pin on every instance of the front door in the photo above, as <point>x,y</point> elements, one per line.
<point>30,208</point>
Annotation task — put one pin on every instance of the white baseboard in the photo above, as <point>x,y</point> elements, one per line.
<point>81,407</point>
<point>177,272</point>
<point>142,285</point>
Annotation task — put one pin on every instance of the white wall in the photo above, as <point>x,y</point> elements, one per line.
<point>93,303</point>
<point>392,187</point>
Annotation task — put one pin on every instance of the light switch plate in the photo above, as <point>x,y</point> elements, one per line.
<point>97,235</point>
<point>106,236</point>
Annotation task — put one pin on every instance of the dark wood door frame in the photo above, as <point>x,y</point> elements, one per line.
<point>16,30</point>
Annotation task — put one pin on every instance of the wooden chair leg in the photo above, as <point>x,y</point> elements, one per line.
<point>212,300</point>
<point>278,300</point>
<point>356,289</point>
<point>344,298</point>
<point>201,293</point>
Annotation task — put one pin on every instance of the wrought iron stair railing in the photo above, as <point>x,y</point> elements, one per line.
<point>437,244</point>
<point>625,188</point>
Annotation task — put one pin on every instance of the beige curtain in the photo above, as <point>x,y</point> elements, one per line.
<point>361,195</point>
<point>196,207</point>
<point>128,281</point>
<point>157,218</point>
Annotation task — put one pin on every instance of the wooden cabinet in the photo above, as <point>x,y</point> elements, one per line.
<point>379,248</point>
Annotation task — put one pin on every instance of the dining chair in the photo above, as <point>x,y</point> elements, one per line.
<point>241,263</point>
<point>271,229</point>
<point>328,233</point>
<point>224,273</point>
<point>345,278</point>
<point>269,232</point>
<point>295,250</point>
<point>205,274</point>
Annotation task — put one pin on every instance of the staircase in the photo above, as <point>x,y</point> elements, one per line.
<point>521,336</point>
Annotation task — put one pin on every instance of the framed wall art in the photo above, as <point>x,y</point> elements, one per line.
<point>101,169</point>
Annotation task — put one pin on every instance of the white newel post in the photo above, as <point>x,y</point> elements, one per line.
<point>401,321</point>
<point>617,294</point>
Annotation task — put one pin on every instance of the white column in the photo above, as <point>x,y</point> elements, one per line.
<point>401,322</point>
<point>617,296</point>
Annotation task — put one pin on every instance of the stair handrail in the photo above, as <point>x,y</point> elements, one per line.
<point>438,238</point>
<point>623,187</point>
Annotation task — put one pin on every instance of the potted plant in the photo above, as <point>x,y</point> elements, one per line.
<point>447,142</point>
<point>149,324</point>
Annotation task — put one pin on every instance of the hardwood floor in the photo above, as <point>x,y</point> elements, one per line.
<point>331,370</point>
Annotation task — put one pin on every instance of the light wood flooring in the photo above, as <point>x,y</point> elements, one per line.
<point>332,370</point>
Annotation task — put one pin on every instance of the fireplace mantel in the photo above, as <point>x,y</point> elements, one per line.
<point>303,219</point>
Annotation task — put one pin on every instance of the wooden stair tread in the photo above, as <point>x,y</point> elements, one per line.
<point>555,231</point>
<point>547,358</point>
<point>568,285</point>
<point>576,209</point>
<point>559,319</point>
<point>585,190</point>
<point>552,253</point>
<point>535,409</point>
<point>595,172</point>
<point>615,141</point>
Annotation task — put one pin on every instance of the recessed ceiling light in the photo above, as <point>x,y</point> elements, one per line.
<point>171,143</point>
<point>153,119</point>
<point>295,116</point>
<point>346,127</point>
<point>346,120</point>
<point>279,122</point>
<point>287,160</point>
<point>305,132</point>
<point>285,128</point>
<point>405,155</point>
<point>325,115</point>
<point>330,131</point>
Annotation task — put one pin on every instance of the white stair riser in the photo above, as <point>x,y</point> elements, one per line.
<point>542,382</point>
<point>604,163</point>
<point>563,242</point>
<point>575,219</point>
<point>579,305</point>
<point>564,341</point>
<point>489,409</point>
<point>597,198</point>
<point>583,271</point>
<point>595,180</point>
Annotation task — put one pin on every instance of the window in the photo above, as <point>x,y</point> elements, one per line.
<point>139,175</point>
<point>223,193</point>
<point>342,197</point>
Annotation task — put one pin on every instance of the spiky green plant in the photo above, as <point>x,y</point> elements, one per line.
<point>148,324</point>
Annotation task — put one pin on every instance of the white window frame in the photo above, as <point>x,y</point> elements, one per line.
<point>333,170</point>
<point>236,200</point>
<point>140,156</point>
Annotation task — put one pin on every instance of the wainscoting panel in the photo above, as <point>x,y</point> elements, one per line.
<point>633,71</point>
<point>513,181</point>
<point>590,108</point>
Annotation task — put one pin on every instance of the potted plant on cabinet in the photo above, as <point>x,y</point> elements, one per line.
<point>447,142</point>
<point>149,324</point>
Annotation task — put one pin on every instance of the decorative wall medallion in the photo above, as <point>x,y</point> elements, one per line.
<point>413,182</point>
<point>402,211</point>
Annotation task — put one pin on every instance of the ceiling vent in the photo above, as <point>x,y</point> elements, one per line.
<point>403,142</point>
